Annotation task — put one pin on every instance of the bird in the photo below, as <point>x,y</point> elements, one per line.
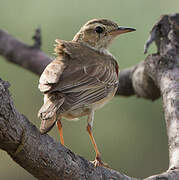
<point>82,78</point>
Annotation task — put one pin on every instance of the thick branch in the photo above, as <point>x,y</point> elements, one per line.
<point>136,81</point>
<point>40,154</point>
<point>163,68</point>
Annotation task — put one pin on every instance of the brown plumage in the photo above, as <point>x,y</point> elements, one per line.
<point>82,78</point>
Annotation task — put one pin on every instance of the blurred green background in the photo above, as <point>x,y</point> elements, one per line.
<point>130,132</point>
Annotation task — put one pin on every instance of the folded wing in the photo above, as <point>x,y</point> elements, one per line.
<point>79,74</point>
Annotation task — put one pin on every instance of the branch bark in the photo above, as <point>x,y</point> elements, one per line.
<point>157,76</point>
<point>17,52</point>
<point>40,154</point>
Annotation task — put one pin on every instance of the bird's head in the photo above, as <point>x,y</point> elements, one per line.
<point>98,33</point>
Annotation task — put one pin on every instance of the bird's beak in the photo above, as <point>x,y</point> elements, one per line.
<point>121,30</point>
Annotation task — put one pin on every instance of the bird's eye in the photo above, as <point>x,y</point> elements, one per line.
<point>99,29</point>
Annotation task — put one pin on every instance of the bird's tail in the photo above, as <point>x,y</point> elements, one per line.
<point>47,112</point>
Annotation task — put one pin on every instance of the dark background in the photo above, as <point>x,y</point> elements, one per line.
<point>130,132</point>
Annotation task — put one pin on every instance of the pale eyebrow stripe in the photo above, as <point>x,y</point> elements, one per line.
<point>103,21</point>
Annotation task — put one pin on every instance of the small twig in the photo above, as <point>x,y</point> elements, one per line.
<point>37,39</point>
<point>150,40</point>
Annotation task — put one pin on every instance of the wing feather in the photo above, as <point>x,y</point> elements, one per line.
<point>51,75</point>
<point>82,74</point>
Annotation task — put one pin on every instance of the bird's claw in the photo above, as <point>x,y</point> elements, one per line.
<point>99,162</point>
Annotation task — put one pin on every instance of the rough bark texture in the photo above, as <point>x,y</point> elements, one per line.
<point>40,154</point>
<point>157,76</point>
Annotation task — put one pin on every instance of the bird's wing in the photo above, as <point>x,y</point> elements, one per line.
<point>51,75</point>
<point>78,68</point>
<point>86,77</point>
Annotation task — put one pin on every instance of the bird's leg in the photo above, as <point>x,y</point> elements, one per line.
<point>59,124</point>
<point>98,160</point>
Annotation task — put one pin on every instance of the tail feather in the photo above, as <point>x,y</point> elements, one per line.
<point>47,125</point>
<point>47,112</point>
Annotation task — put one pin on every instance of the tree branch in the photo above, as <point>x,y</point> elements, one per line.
<point>29,57</point>
<point>47,159</point>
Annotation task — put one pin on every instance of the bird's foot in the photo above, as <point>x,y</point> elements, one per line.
<point>99,162</point>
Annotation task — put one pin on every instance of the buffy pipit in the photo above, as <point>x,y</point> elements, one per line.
<point>82,78</point>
